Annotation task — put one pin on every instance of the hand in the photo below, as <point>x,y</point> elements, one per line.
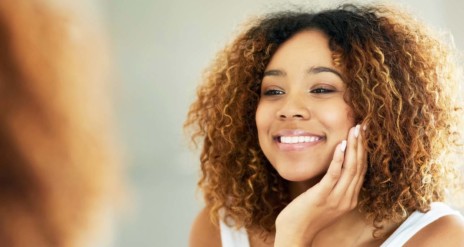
<point>336,194</point>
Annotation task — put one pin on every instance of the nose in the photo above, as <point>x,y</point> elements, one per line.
<point>294,108</point>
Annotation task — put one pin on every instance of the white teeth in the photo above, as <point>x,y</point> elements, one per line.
<point>298,139</point>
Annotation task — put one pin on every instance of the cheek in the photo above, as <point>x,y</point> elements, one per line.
<point>262,117</point>
<point>338,117</point>
<point>349,116</point>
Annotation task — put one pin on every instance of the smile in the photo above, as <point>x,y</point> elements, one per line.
<point>297,139</point>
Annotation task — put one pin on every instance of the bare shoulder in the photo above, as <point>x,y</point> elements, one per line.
<point>446,231</point>
<point>204,232</point>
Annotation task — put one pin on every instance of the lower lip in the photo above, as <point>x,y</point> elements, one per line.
<point>297,146</point>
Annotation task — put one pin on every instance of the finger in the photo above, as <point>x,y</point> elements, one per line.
<point>349,170</point>
<point>362,160</point>
<point>358,177</point>
<point>361,152</point>
<point>332,176</point>
<point>359,184</point>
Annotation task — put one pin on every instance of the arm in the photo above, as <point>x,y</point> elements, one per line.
<point>446,231</point>
<point>321,205</point>
<point>204,232</point>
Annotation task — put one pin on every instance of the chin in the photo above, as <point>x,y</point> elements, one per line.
<point>299,178</point>
<point>301,175</point>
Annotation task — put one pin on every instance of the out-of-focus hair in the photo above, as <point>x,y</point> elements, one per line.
<point>58,163</point>
<point>402,83</point>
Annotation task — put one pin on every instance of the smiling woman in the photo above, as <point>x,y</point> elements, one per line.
<point>334,128</point>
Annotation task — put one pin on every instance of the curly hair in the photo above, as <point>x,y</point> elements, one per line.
<point>401,82</point>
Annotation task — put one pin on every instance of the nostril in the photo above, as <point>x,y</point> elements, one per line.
<point>294,116</point>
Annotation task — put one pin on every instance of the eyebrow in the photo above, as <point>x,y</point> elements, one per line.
<point>321,69</point>
<point>274,72</point>
<point>312,70</point>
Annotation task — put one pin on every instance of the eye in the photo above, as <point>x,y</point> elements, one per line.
<point>272,92</point>
<point>322,90</point>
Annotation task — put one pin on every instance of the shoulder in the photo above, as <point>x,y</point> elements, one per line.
<point>445,231</point>
<point>204,232</point>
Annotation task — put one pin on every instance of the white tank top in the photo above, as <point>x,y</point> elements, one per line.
<point>231,237</point>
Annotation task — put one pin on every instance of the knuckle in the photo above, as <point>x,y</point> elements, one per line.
<point>334,174</point>
<point>351,170</point>
<point>333,204</point>
<point>360,163</point>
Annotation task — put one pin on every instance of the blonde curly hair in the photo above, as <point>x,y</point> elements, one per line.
<point>401,83</point>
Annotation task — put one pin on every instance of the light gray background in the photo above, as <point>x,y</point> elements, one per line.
<point>160,49</point>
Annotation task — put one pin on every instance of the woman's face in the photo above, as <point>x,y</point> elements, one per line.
<point>301,114</point>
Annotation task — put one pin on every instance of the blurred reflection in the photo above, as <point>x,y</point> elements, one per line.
<point>58,172</point>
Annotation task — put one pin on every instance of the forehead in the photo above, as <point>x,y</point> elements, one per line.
<point>309,45</point>
<point>305,49</point>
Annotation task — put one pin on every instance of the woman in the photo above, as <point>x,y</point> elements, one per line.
<point>335,128</point>
<point>59,169</point>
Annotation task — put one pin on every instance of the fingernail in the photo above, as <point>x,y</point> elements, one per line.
<point>356,130</point>
<point>343,146</point>
<point>364,127</point>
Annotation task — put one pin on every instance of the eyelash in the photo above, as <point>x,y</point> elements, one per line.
<point>273,92</point>
<point>320,90</point>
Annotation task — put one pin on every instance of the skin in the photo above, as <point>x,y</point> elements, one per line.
<point>302,93</point>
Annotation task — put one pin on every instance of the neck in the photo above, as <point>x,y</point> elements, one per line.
<point>296,188</point>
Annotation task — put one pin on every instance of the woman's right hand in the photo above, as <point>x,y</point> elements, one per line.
<point>336,194</point>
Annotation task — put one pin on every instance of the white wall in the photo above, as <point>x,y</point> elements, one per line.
<point>160,50</point>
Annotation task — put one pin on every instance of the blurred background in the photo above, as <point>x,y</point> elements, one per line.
<point>160,49</point>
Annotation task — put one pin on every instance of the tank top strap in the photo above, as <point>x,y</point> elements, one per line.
<point>416,221</point>
<point>231,236</point>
